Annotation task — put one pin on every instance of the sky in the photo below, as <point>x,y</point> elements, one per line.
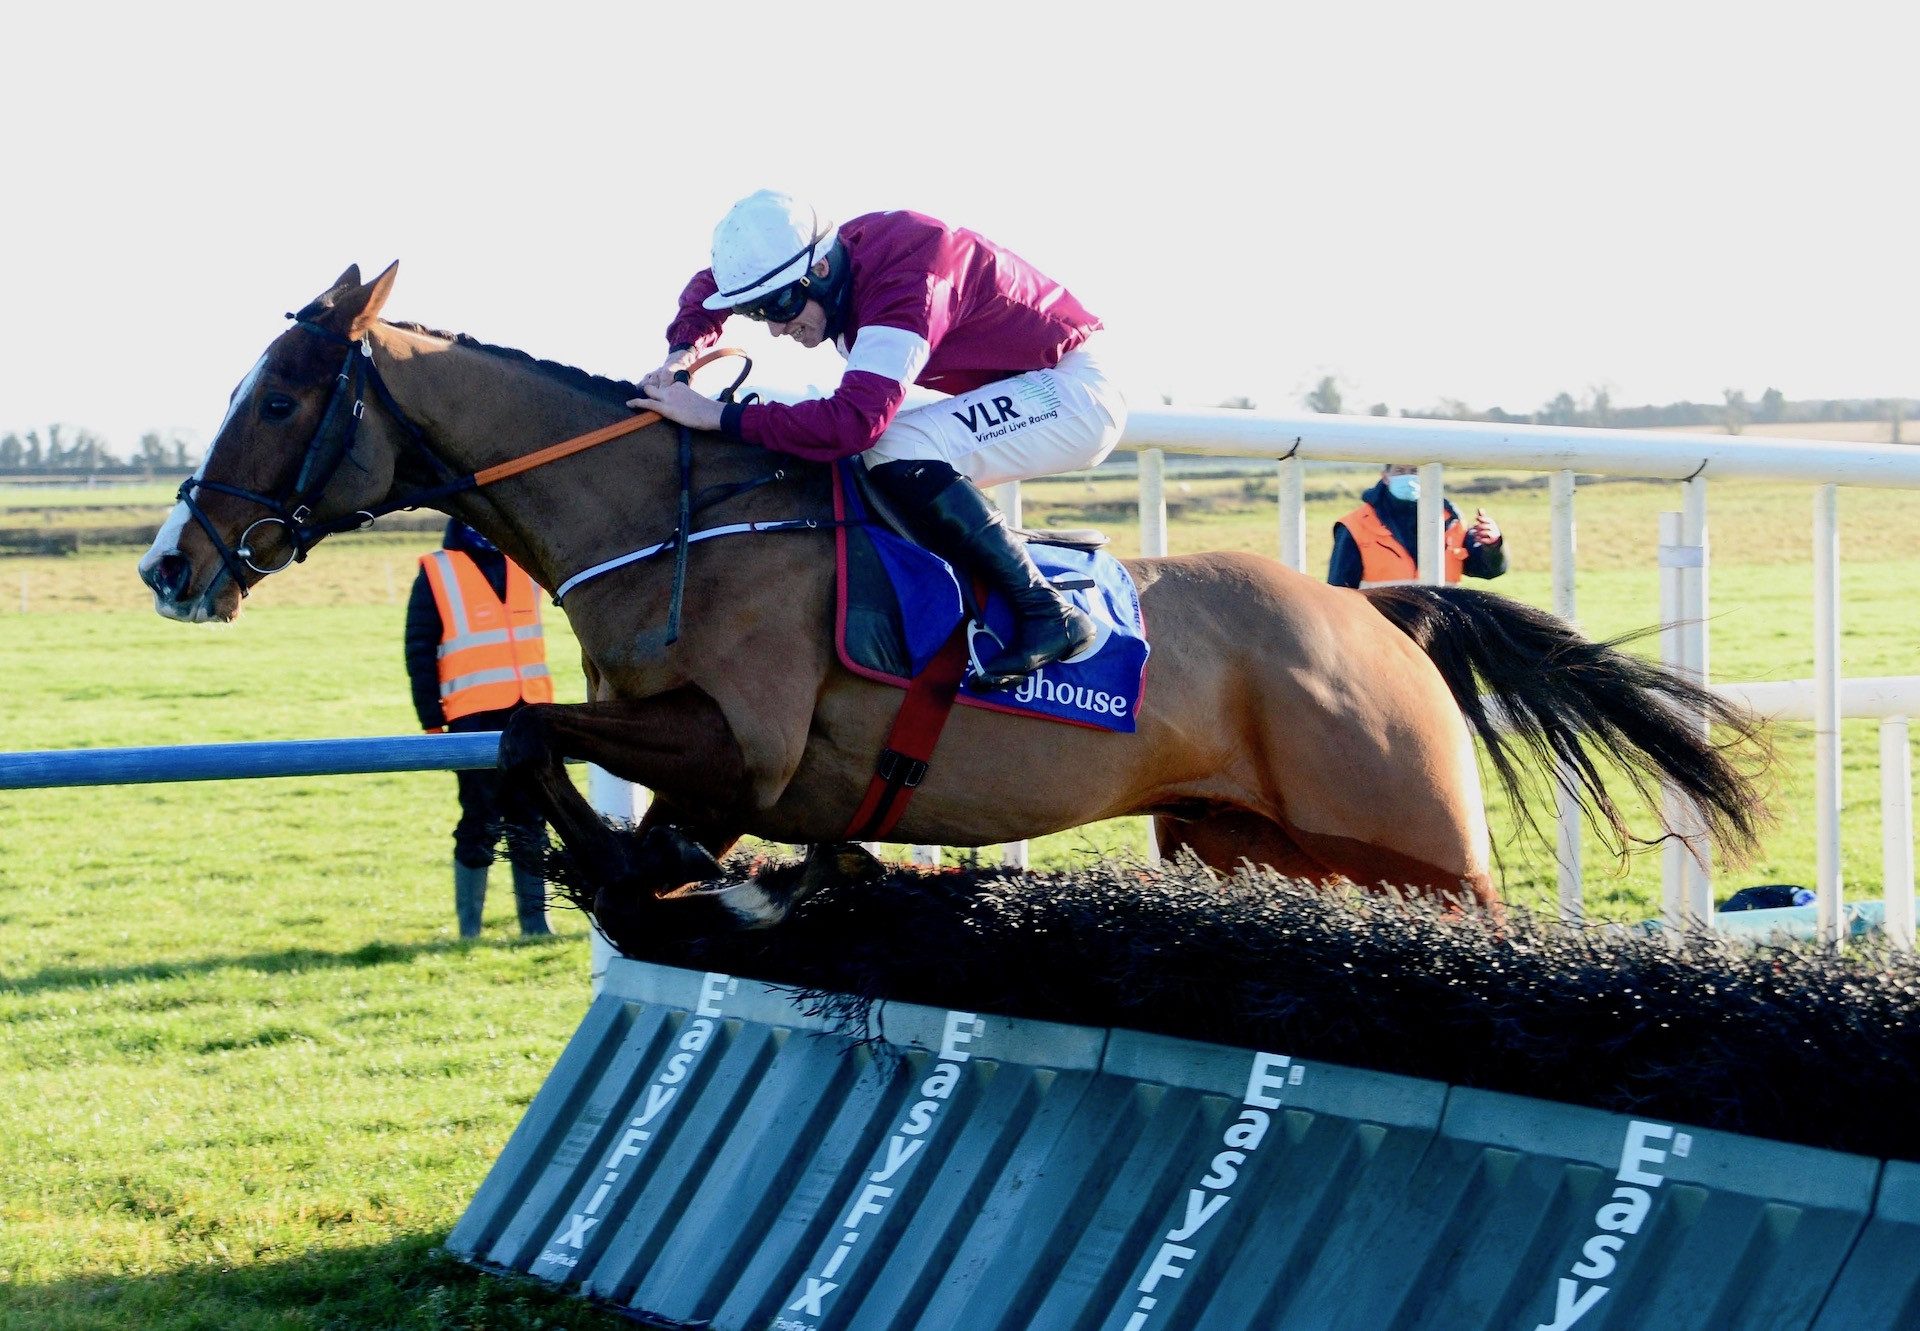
<point>1485,202</point>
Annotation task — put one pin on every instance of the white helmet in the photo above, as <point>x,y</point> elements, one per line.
<point>765,241</point>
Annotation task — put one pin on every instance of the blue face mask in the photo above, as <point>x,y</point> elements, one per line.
<point>1405,487</point>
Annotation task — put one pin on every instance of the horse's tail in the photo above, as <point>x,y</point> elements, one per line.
<point>1557,689</point>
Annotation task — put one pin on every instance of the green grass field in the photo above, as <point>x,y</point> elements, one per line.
<point>255,1078</point>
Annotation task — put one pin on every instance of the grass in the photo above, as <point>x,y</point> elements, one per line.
<point>256,1078</point>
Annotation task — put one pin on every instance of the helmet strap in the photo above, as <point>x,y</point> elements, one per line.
<point>832,290</point>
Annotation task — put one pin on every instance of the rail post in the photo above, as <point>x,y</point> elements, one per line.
<point>1293,514</point>
<point>625,802</point>
<point>1896,829</point>
<point>1686,891</point>
<point>1567,846</point>
<point>1007,495</point>
<point>1153,503</point>
<point>1432,519</point>
<point>1826,713</point>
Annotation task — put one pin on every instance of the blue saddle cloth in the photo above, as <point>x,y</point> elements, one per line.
<point>899,604</point>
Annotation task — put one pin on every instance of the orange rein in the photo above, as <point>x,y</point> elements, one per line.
<point>580,443</point>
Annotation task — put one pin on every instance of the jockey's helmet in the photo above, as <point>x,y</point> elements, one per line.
<point>766,241</point>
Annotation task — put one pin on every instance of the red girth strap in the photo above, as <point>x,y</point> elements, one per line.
<point>903,762</point>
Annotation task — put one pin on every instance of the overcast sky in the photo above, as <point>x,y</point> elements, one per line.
<point>1486,202</point>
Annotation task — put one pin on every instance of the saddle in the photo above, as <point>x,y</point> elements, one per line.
<point>898,605</point>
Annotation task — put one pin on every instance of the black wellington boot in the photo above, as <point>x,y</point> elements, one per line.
<point>530,903</point>
<point>469,897</point>
<point>961,525</point>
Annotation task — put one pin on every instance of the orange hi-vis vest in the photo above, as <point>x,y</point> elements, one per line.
<point>492,655</point>
<point>1384,562</point>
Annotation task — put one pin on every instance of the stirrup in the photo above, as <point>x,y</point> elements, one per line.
<point>975,670</point>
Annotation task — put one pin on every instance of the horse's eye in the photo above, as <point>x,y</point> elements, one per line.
<point>277,407</point>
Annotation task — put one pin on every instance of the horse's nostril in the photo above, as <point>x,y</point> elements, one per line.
<point>171,575</point>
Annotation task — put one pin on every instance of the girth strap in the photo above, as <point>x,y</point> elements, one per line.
<point>909,748</point>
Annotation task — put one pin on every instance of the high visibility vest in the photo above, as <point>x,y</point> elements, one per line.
<point>492,654</point>
<point>1384,562</point>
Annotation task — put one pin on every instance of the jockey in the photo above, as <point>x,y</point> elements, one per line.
<point>910,300</point>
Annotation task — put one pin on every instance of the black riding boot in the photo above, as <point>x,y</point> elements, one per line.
<point>961,525</point>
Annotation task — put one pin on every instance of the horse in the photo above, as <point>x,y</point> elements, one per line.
<point>1324,732</point>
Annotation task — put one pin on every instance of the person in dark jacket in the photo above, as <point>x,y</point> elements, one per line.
<point>475,655</point>
<point>1374,545</point>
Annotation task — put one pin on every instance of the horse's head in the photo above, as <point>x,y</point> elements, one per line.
<point>299,453</point>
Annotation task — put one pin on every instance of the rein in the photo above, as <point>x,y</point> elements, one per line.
<point>333,441</point>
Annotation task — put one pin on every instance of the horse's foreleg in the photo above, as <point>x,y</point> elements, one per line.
<point>678,741</point>
<point>712,831</point>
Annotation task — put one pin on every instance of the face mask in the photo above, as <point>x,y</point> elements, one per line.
<point>1404,487</point>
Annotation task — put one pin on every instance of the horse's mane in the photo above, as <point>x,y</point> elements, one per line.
<point>610,390</point>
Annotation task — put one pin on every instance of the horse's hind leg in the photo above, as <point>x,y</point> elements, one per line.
<point>1224,838</point>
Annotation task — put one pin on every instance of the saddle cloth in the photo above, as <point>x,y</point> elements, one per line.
<point>898,604</point>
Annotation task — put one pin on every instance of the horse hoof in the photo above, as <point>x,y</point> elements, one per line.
<point>841,861</point>
<point>669,859</point>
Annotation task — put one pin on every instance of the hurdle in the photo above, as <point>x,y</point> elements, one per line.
<point>710,1152</point>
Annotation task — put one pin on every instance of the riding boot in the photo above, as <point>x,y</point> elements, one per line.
<point>469,897</point>
<point>961,525</point>
<point>530,899</point>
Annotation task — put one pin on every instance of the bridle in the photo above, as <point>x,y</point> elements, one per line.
<point>333,440</point>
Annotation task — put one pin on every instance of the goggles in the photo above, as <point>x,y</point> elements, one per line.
<point>782,305</point>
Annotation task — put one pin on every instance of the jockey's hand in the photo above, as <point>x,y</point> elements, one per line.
<point>676,361</point>
<point>679,403</point>
<point>1484,530</point>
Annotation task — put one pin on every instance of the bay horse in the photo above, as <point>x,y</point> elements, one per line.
<point>1325,732</point>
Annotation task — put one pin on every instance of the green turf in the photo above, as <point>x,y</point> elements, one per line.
<point>255,1078</point>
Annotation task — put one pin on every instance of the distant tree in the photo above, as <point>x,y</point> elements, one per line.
<point>1563,410</point>
<point>11,451</point>
<point>1239,403</point>
<point>1599,405</point>
<point>1738,412</point>
<point>1325,397</point>
<point>1772,408</point>
<point>36,451</point>
<point>1378,409</point>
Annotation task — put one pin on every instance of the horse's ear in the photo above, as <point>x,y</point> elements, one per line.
<point>359,309</point>
<point>316,309</point>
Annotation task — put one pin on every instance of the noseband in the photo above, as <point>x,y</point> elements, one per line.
<point>332,441</point>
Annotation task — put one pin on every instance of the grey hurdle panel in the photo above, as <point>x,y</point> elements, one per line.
<point>1527,1213</point>
<point>954,1237</point>
<point>1879,1287</point>
<point>1256,1174</point>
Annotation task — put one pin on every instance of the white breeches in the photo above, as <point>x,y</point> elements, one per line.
<point>1040,423</point>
